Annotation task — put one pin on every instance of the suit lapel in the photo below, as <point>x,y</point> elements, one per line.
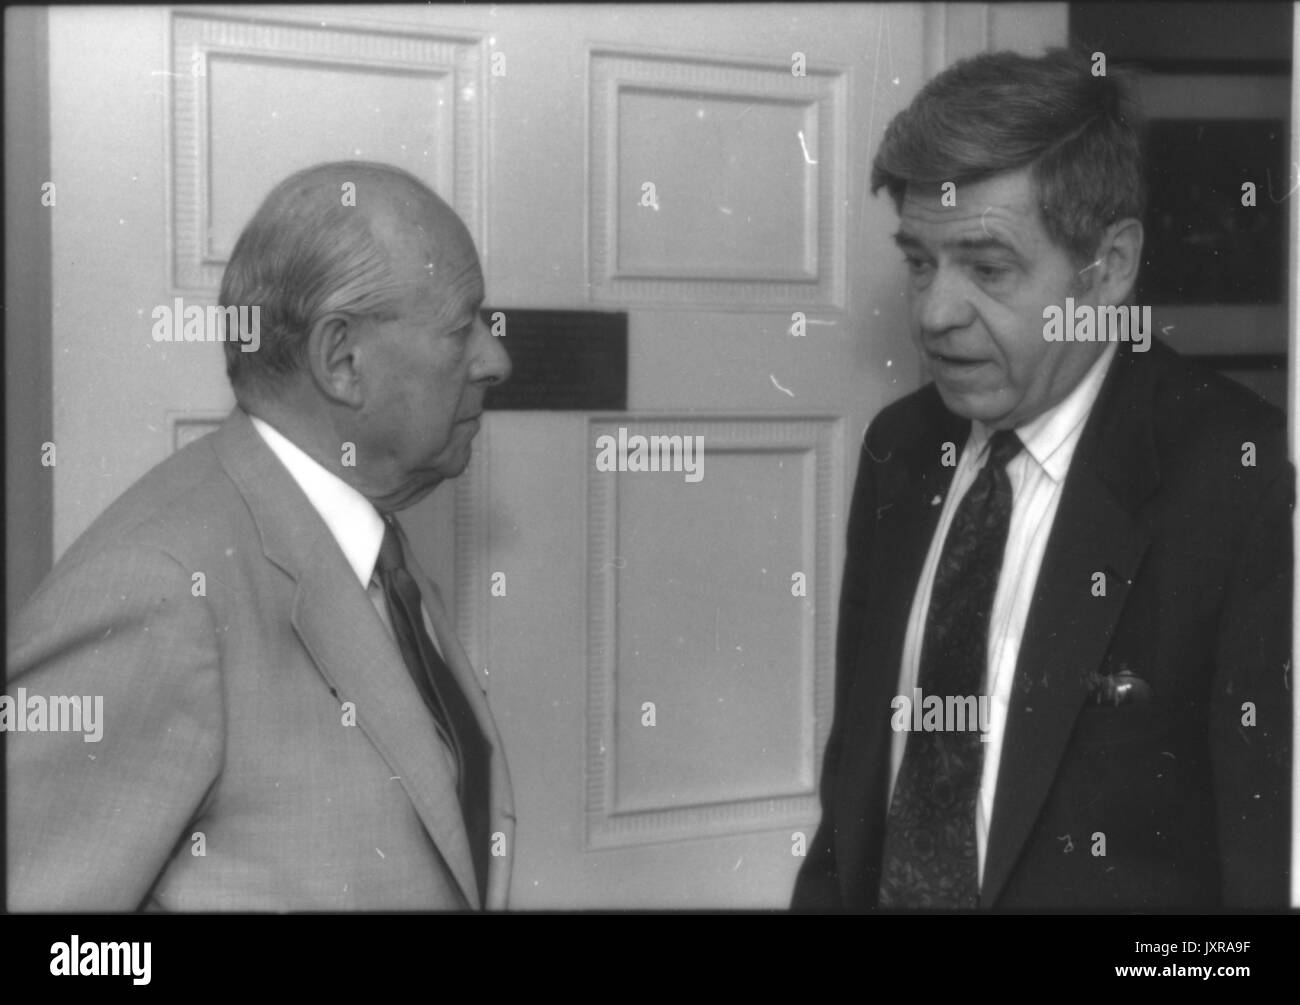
<point>501,819</point>
<point>343,634</point>
<point>1068,630</point>
<point>909,498</point>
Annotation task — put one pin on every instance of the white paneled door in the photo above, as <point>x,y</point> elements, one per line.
<point>659,644</point>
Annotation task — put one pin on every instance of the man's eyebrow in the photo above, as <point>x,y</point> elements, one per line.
<point>467,309</point>
<point>976,243</point>
<point>907,242</point>
<point>985,244</point>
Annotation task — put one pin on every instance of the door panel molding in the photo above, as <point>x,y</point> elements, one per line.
<point>440,74</point>
<point>691,249</point>
<point>724,755</point>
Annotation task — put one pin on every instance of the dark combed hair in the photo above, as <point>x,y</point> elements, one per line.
<point>1081,136</point>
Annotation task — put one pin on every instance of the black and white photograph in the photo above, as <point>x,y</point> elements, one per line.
<point>789,459</point>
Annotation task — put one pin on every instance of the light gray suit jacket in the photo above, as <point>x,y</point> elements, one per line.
<point>225,714</point>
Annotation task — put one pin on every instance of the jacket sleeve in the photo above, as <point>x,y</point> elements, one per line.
<point>817,887</point>
<point>1251,709</point>
<point>93,821</point>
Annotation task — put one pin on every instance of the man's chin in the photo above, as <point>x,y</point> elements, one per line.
<point>457,460</point>
<point>454,470</point>
<point>451,464</point>
<point>986,407</point>
<point>410,494</point>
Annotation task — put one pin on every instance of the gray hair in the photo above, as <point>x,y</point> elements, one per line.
<point>306,254</point>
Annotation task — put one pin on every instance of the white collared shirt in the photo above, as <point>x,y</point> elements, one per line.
<point>1036,474</point>
<point>350,516</point>
<point>353,521</point>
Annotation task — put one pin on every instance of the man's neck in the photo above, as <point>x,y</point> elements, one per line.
<point>308,429</point>
<point>314,432</point>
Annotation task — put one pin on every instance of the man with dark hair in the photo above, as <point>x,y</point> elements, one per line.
<point>1064,641</point>
<point>289,722</point>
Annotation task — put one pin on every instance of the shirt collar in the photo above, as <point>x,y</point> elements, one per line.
<point>350,516</point>
<point>1050,438</point>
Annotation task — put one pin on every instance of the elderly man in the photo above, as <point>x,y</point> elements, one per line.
<point>1081,548</point>
<point>289,720</point>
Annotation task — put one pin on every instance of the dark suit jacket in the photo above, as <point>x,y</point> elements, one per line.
<point>224,714</point>
<point>1194,805</point>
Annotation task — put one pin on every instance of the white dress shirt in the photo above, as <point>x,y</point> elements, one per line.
<point>351,518</point>
<point>1036,474</point>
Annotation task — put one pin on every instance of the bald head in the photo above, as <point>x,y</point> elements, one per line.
<point>350,237</point>
<point>374,358</point>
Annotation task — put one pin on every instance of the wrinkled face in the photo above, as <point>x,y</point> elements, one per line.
<point>426,370</point>
<point>981,273</point>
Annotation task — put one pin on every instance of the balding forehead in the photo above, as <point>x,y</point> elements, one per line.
<point>375,191</point>
<point>436,260</point>
<point>432,234</point>
<point>420,233</point>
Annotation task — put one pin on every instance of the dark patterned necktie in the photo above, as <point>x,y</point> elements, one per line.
<point>442,694</point>
<point>930,858</point>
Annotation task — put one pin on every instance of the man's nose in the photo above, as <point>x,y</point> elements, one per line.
<point>945,303</point>
<point>491,361</point>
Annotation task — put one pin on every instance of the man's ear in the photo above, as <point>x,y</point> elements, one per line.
<point>333,359</point>
<point>1120,255</point>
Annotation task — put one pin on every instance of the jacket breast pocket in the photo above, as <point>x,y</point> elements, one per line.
<point>1106,725</point>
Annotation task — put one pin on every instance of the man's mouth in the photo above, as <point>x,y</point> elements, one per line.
<point>956,361</point>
